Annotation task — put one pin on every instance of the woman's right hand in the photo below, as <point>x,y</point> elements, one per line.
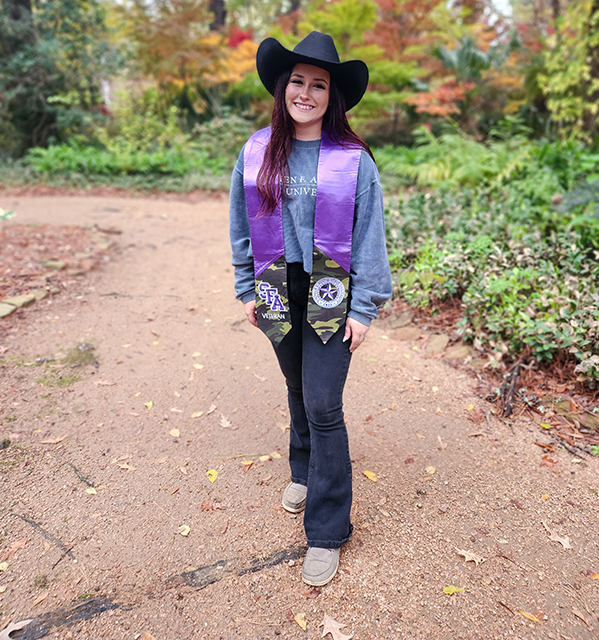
<point>250,312</point>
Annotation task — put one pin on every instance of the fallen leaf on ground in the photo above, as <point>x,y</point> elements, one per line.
<point>91,491</point>
<point>198,366</point>
<point>333,627</point>
<point>476,415</point>
<point>247,464</point>
<point>3,566</point>
<point>197,414</point>
<point>470,557</point>
<point>184,530</point>
<point>264,458</point>
<point>370,476</point>
<point>5,633</point>
<point>275,455</point>
<point>546,426</point>
<point>450,589</point>
<point>592,575</point>
<point>580,615</point>
<point>148,405</point>
<point>300,618</point>
<point>224,422</point>
<point>211,410</point>
<point>175,433</point>
<point>19,544</point>
<point>53,440</point>
<point>105,383</point>
<point>548,461</point>
<point>529,616</point>
<point>212,506</point>
<point>430,470</point>
<point>183,470</point>
<point>283,427</point>
<point>126,466</point>
<point>175,410</point>
<point>196,354</point>
<point>565,541</point>
<point>545,496</point>
<point>212,475</point>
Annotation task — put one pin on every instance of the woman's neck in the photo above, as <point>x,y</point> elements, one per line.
<point>307,132</point>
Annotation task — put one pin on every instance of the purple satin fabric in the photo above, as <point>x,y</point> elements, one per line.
<point>335,203</point>
<point>266,232</point>
<point>336,200</point>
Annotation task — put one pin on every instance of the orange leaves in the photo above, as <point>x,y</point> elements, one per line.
<point>443,100</point>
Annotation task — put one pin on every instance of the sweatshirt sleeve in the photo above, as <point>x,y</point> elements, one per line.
<point>239,233</point>
<point>370,275</point>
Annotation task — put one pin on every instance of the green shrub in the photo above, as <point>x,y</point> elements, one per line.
<point>526,273</point>
<point>141,142</point>
<point>541,169</point>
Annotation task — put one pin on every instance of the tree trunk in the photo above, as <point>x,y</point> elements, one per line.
<point>217,7</point>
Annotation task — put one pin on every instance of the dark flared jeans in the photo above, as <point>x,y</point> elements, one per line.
<point>318,447</point>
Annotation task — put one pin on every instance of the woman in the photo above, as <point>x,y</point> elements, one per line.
<point>308,240</point>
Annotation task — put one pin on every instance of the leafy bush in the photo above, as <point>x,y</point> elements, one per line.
<point>119,160</point>
<point>453,160</point>
<point>140,141</point>
<point>527,274</point>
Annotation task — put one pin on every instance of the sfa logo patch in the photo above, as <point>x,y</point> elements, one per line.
<point>271,296</point>
<point>328,292</point>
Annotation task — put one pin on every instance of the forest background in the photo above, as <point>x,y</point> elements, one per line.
<point>483,118</point>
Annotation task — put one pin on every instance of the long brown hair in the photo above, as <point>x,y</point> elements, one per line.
<point>275,166</point>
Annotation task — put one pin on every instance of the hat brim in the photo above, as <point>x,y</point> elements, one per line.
<point>272,59</point>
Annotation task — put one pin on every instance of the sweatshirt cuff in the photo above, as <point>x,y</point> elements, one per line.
<point>248,297</point>
<point>360,317</point>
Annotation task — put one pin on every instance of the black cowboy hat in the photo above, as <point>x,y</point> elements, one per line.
<point>318,49</point>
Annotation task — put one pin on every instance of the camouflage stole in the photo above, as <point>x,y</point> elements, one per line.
<point>333,224</point>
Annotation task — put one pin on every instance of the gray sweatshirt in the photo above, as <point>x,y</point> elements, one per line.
<point>370,277</point>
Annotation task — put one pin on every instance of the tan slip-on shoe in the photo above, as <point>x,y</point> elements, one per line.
<point>320,566</point>
<point>294,497</point>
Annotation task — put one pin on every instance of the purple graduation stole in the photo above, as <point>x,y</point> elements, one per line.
<point>337,178</point>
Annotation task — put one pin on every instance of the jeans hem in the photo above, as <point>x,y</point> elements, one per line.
<point>331,544</point>
<point>299,481</point>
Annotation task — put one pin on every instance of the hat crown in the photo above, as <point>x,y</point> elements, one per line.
<point>319,46</point>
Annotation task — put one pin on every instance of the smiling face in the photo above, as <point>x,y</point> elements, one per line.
<point>307,99</point>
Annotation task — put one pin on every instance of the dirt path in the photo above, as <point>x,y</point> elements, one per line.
<point>109,561</point>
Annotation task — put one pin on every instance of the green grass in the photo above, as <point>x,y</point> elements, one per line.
<point>58,380</point>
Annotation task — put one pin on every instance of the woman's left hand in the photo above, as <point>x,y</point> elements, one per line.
<point>356,331</point>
